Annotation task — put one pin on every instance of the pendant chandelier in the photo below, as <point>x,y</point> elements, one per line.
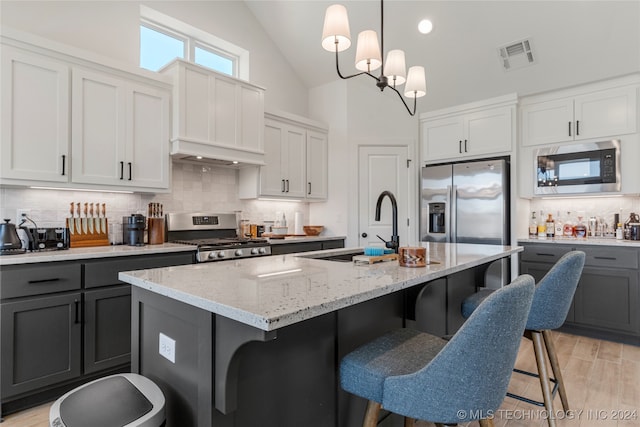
<point>337,37</point>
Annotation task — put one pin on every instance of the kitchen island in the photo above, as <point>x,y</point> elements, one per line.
<point>258,341</point>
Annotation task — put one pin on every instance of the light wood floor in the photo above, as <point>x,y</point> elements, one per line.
<point>602,380</point>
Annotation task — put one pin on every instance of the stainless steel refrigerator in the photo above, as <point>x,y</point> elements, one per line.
<point>468,202</point>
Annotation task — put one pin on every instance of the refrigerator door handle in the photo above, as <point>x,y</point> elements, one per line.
<point>453,220</point>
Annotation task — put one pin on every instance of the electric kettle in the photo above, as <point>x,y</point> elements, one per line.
<point>9,238</point>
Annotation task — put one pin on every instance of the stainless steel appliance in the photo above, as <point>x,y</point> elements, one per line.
<point>133,228</point>
<point>578,168</point>
<point>468,202</point>
<point>10,242</point>
<point>48,238</point>
<point>215,235</point>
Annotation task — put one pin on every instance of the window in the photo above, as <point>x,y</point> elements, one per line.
<point>163,38</point>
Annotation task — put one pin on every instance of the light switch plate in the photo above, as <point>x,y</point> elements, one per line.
<point>167,348</point>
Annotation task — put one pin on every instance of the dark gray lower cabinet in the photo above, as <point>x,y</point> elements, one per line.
<point>107,328</point>
<point>608,295</point>
<point>40,342</point>
<point>294,247</point>
<point>65,323</point>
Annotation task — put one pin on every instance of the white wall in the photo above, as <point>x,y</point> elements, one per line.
<point>358,114</point>
<point>111,29</point>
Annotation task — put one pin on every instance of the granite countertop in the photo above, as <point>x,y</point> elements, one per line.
<point>272,292</point>
<point>74,254</point>
<point>595,241</point>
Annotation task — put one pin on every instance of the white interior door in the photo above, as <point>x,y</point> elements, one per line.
<point>382,168</point>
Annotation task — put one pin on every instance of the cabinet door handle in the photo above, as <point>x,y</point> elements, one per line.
<point>577,127</point>
<point>309,192</point>
<point>465,145</point>
<point>282,187</point>
<point>608,258</point>
<point>287,186</point>
<point>64,158</point>
<point>129,163</point>
<point>121,170</point>
<point>540,254</point>
<point>31,282</point>
<point>76,303</point>
<point>569,128</point>
<point>460,146</point>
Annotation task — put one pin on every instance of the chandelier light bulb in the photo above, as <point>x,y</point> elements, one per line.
<point>335,32</point>
<point>368,56</point>
<point>416,83</point>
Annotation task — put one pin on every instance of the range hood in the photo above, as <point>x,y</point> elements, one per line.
<point>218,155</point>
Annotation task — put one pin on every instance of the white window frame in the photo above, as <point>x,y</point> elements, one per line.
<point>196,37</point>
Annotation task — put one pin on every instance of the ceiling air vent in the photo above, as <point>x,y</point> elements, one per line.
<point>516,55</point>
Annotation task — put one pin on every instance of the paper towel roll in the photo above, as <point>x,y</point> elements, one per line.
<point>298,223</point>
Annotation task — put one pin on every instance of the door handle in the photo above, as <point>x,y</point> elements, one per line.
<point>309,192</point>
<point>77,310</point>
<point>364,234</point>
<point>282,186</point>
<point>287,185</point>
<point>569,128</point>
<point>129,171</point>
<point>577,127</point>
<point>64,158</point>
<point>121,170</point>
<point>465,145</point>
<point>460,146</point>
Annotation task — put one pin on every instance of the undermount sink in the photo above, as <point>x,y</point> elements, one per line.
<point>340,257</point>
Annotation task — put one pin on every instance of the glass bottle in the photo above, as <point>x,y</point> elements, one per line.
<point>533,226</point>
<point>567,228</point>
<point>559,225</point>
<point>550,226</point>
<point>542,227</point>
<point>580,230</point>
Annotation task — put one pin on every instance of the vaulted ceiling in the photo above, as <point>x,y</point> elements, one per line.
<point>573,42</point>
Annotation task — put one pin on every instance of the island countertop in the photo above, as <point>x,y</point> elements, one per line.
<point>276,291</point>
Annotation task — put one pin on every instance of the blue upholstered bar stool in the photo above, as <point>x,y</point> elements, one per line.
<point>127,400</point>
<point>421,376</point>
<point>551,303</point>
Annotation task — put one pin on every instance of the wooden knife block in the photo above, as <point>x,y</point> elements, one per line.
<point>89,239</point>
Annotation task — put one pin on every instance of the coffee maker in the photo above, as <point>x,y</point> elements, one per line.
<point>133,228</point>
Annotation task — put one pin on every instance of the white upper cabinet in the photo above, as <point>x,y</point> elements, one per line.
<point>120,132</point>
<point>74,122</point>
<point>296,161</point>
<point>553,118</point>
<point>317,165</point>
<point>35,117</point>
<point>470,130</point>
<point>213,110</point>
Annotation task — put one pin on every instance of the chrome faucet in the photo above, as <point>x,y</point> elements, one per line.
<point>395,239</point>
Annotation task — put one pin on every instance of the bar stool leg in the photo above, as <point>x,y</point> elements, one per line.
<point>544,376</point>
<point>371,415</point>
<point>486,422</point>
<point>555,367</point>
<point>409,422</point>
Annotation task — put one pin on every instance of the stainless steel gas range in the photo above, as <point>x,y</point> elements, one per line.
<point>214,235</point>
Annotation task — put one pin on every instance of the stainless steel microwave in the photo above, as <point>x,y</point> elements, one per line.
<point>591,167</point>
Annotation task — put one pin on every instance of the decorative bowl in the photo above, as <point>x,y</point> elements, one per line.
<point>312,230</point>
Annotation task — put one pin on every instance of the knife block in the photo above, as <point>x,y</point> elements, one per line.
<point>80,239</point>
<point>155,228</point>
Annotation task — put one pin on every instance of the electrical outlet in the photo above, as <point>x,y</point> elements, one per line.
<point>19,213</point>
<point>167,348</point>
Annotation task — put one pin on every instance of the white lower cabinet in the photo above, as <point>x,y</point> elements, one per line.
<point>34,117</point>
<point>120,132</point>
<point>296,162</point>
<point>470,130</point>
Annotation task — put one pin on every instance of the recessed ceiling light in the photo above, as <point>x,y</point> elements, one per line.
<point>199,157</point>
<point>425,26</point>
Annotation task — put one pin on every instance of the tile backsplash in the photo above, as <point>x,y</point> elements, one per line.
<point>194,188</point>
